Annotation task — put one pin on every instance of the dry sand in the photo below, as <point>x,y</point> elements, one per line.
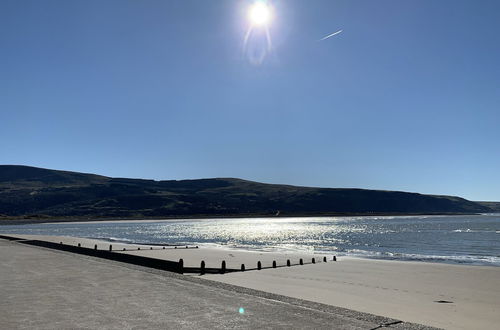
<point>403,290</point>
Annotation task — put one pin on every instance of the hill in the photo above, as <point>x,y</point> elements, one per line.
<point>493,206</point>
<point>35,192</point>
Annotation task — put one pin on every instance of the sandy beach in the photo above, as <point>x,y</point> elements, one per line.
<point>440,295</point>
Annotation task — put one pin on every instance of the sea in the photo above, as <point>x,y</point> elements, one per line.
<point>463,239</point>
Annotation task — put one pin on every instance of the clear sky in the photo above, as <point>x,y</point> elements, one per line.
<point>406,97</point>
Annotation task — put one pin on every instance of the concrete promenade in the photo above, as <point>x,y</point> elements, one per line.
<point>47,289</point>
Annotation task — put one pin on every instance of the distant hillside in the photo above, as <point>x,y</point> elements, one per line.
<point>35,192</point>
<point>493,206</point>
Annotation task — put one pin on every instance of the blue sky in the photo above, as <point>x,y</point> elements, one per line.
<point>407,97</point>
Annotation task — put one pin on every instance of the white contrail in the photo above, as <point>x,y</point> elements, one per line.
<point>330,35</point>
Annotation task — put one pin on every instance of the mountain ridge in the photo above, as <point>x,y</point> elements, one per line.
<point>36,192</point>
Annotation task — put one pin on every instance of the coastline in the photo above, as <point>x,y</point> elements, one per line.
<point>433,294</point>
<point>50,289</point>
<point>28,221</point>
<point>439,295</point>
<point>462,257</point>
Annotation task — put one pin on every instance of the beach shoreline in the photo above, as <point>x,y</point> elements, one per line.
<point>26,221</point>
<point>408,238</point>
<point>434,294</point>
<point>439,295</point>
<point>51,289</point>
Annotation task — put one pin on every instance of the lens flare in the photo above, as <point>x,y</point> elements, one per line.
<point>257,44</point>
<point>260,14</point>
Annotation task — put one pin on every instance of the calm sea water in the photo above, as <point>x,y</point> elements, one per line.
<point>450,239</point>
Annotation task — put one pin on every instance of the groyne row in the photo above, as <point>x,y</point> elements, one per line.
<point>176,266</point>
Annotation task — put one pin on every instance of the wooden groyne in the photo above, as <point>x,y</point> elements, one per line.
<point>169,265</point>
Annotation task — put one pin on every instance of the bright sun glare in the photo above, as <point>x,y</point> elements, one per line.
<point>260,14</point>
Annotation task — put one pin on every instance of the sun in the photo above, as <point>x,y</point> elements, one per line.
<point>260,14</point>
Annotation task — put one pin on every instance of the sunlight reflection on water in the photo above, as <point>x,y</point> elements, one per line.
<point>459,239</point>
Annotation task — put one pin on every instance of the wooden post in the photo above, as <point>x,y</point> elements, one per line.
<point>223,267</point>
<point>259,265</point>
<point>313,260</point>
<point>110,247</point>
<point>334,258</point>
<point>324,259</point>
<point>274,263</point>
<point>288,262</point>
<point>202,268</point>
<point>301,262</point>
<point>95,247</point>
<point>181,266</point>
<point>242,267</point>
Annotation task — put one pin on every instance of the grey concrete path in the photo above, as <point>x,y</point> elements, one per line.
<point>46,289</point>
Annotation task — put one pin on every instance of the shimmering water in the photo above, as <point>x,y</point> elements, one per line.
<point>456,239</point>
